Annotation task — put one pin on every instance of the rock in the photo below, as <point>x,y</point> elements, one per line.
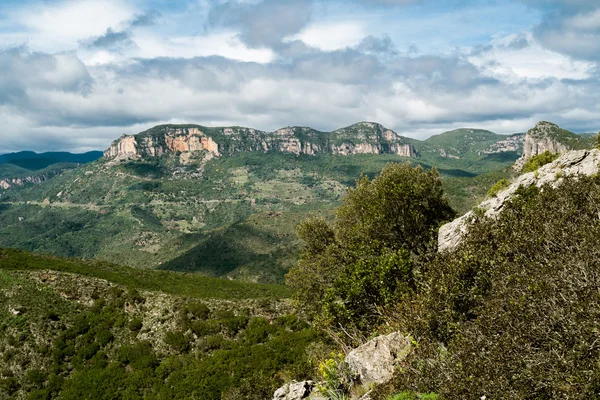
<point>294,391</point>
<point>361,138</point>
<point>573,163</point>
<point>539,139</point>
<point>511,143</point>
<point>375,361</point>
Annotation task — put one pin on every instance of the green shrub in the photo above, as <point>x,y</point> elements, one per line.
<point>351,271</point>
<point>178,341</point>
<point>539,160</point>
<point>135,325</point>
<point>511,313</point>
<point>498,187</point>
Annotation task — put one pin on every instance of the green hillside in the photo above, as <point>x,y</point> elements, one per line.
<point>236,218</point>
<point>86,330</point>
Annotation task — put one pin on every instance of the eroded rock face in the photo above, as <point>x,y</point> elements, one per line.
<point>511,143</point>
<point>10,182</point>
<point>362,138</point>
<point>537,141</point>
<point>174,140</point>
<point>579,162</point>
<point>376,360</point>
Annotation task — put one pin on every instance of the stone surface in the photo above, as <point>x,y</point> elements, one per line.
<point>375,361</point>
<point>294,391</point>
<point>579,162</point>
<point>511,143</point>
<point>537,141</point>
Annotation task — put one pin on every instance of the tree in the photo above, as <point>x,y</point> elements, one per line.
<point>349,271</point>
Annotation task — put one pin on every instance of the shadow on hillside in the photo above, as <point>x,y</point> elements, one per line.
<point>224,251</point>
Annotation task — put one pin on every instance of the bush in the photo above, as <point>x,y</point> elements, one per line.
<point>513,311</point>
<point>498,187</point>
<point>351,271</point>
<point>535,162</point>
<point>177,341</point>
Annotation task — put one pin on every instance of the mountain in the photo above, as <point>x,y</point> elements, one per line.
<point>27,167</point>
<point>225,202</point>
<point>361,138</point>
<point>546,136</point>
<point>34,161</point>
<point>469,144</point>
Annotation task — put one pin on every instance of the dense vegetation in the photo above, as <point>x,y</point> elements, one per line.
<point>233,216</point>
<point>511,313</point>
<point>349,273</point>
<point>71,336</point>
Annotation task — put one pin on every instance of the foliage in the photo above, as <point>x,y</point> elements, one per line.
<point>535,162</point>
<point>498,187</point>
<point>350,271</point>
<point>512,312</point>
<point>87,350</point>
<point>336,377</point>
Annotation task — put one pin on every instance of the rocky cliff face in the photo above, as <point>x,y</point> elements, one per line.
<point>511,143</point>
<point>362,138</point>
<point>10,182</point>
<point>174,140</point>
<point>545,136</point>
<point>586,162</point>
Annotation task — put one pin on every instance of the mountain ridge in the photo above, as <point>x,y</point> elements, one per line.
<point>360,138</point>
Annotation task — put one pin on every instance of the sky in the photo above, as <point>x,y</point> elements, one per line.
<point>76,74</point>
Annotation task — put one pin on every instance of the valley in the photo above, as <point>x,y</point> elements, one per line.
<point>230,210</point>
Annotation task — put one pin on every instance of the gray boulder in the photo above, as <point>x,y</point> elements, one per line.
<point>294,391</point>
<point>375,361</point>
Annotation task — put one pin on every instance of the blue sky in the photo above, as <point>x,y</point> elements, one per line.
<point>78,73</point>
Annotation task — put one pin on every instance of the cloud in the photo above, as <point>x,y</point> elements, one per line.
<point>113,40</point>
<point>570,27</point>
<point>62,25</point>
<point>262,24</point>
<point>148,18</point>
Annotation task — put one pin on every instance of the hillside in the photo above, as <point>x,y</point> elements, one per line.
<point>78,329</point>
<point>30,160</point>
<point>158,200</point>
<point>470,143</point>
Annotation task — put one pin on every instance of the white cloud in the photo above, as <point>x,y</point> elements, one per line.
<point>53,27</point>
<point>532,61</point>
<point>332,36</point>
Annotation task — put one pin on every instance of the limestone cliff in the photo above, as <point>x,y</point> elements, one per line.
<point>546,136</point>
<point>183,140</point>
<point>578,162</point>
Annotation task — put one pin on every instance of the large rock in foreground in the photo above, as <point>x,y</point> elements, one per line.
<point>376,360</point>
<point>581,162</point>
<point>294,391</point>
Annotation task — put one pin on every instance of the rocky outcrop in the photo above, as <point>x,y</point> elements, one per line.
<point>362,138</point>
<point>173,140</point>
<point>539,139</point>
<point>10,182</point>
<point>511,143</point>
<point>372,363</point>
<point>578,162</point>
<point>376,360</point>
<point>294,391</point>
